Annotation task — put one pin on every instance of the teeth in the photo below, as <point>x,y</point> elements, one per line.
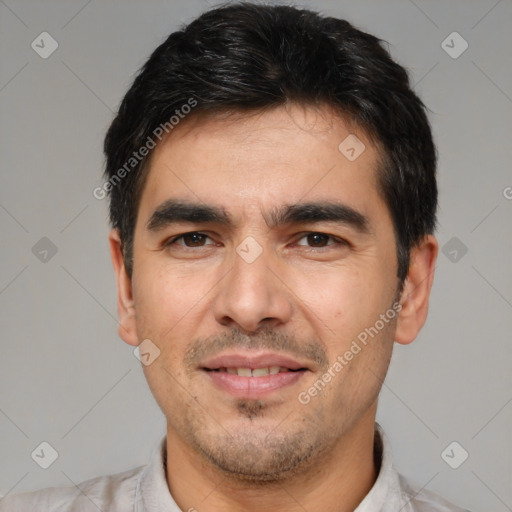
<point>260,372</point>
<point>256,372</point>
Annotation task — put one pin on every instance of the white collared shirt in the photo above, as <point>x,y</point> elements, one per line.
<point>145,489</point>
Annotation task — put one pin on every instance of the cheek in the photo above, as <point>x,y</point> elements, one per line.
<point>170,306</point>
<point>337,298</point>
<point>165,296</point>
<point>343,303</point>
<point>359,370</point>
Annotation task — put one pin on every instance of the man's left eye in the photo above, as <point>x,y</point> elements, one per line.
<point>319,240</point>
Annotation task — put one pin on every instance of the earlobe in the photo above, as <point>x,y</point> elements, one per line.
<point>415,295</point>
<point>127,326</point>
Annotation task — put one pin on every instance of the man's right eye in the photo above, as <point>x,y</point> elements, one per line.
<point>192,239</point>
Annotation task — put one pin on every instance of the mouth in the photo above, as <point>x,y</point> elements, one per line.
<point>254,372</point>
<point>253,375</point>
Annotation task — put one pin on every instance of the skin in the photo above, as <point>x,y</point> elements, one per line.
<point>225,452</point>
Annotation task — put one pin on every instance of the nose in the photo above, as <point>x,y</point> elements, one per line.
<point>252,296</point>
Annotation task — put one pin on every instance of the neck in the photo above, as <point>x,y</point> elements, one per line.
<point>338,480</point>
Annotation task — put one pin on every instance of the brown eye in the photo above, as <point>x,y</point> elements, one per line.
<point>318,240</point>
<point>192,239</point>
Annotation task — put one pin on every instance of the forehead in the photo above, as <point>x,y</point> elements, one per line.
<point>250,161</point>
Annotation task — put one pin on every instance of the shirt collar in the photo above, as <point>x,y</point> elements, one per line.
<point>152,492</point>
<point>385,495</point>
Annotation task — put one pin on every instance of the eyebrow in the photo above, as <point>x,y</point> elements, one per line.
<point>175,211</point>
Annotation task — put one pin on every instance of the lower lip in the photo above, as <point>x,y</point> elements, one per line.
<point>253,387</point>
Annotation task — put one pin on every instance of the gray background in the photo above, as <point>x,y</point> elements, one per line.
<point>66,377</point>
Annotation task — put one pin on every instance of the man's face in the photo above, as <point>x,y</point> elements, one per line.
<point>282,296</point>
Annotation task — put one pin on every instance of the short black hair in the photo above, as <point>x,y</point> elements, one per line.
<point>244,57</point>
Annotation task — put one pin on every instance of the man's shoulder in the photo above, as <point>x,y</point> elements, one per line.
<point>112,493</point>
<point>423,500</point>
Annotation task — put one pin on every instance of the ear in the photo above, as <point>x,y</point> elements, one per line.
<point>127,326</point>
<point>415,295</point>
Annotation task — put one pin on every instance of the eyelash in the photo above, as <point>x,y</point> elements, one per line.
<point>337,241</point>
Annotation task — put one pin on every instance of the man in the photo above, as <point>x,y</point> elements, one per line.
<point>273,202</point>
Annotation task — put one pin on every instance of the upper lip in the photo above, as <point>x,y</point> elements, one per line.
<point>248,359</point>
